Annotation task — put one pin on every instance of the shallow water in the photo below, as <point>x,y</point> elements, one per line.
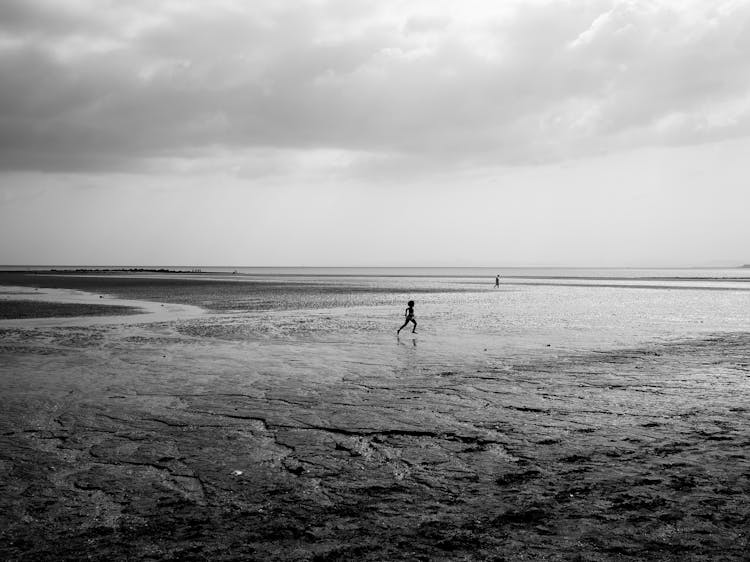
<point>348,325</point>
<point>463,320</point>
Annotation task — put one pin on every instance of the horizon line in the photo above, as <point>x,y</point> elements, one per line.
<point>735,265</point>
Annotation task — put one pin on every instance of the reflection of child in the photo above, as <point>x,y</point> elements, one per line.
<point>409,314</point>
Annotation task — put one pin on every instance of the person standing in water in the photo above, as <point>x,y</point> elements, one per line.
<point>497,280</point>
<point>409,314</point>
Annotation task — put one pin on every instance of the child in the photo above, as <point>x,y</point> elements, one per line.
<point>409,314</point>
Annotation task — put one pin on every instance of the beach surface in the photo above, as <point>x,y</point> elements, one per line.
<point>204,433</point>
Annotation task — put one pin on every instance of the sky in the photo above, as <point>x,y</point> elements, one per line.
<point>375,133</point>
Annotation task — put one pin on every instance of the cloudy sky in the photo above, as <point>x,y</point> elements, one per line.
<point>346,132</point>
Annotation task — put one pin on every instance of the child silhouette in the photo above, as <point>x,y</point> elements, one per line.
<point>409,315</point>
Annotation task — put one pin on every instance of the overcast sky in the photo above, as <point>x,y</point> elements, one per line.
<point>345,132</point>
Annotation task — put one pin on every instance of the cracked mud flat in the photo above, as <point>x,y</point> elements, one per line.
<point>172,441</point>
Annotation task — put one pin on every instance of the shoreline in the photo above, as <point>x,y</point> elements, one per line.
<point>146,440</point>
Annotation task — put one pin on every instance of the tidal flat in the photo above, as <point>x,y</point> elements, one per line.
<point>313,433</point>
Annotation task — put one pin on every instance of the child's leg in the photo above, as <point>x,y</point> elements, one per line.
<point>415,325</point>
<point>402,327</point>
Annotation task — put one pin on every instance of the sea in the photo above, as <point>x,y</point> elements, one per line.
<point>461,315</point>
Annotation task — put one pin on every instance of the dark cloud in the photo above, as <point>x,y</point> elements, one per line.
<point>118,88</point>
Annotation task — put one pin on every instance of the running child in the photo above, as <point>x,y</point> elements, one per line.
<point>409,315</point>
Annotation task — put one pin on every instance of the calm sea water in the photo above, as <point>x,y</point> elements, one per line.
<point>460,272</point>
<point>319,318</point>
<point>463,318</point>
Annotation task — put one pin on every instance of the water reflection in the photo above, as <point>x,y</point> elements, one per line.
<point>405,341</point>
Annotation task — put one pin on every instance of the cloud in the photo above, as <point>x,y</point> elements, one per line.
<point>418,86</point>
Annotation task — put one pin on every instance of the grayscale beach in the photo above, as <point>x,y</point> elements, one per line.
<point>277,416</point>
<point>215,216</point>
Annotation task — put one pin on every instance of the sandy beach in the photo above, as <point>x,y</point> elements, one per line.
<point>214,217</point>
<point>166,436</point>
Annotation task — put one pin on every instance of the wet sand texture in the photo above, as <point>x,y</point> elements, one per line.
<point>144,442</point>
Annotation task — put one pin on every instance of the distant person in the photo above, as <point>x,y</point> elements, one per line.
<point>409,315</point>
<point>497,280</point>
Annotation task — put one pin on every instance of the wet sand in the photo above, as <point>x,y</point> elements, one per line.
<point>152,440</point>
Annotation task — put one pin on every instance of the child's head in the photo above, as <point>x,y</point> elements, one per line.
<point>410,303</point>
